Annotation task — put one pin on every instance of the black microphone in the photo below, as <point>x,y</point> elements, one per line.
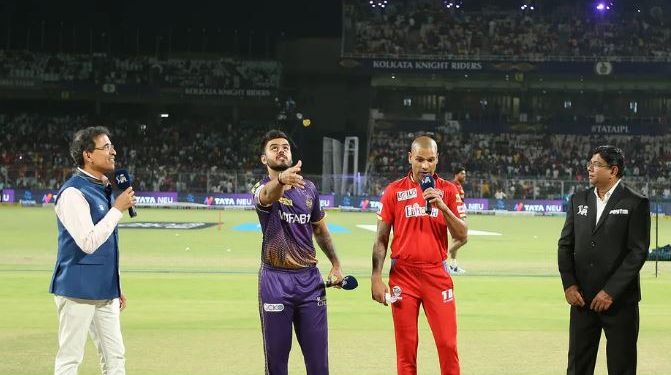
<point>348,283</point>
<point>123,182</point>
<point>426,182</point>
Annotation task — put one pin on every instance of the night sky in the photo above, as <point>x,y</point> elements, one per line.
<point>126,26</point>
<point>294,17</point>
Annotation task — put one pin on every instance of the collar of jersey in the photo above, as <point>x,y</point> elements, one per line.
<point>435,176</point>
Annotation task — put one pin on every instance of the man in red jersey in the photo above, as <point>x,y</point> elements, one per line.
<point>419,273</point>
<point>455,244</point>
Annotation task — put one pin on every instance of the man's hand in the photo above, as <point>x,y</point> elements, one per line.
<point>378,289</point>
<point>122,302</point>
<point>601,302</point>
<point>291,176</point>
<point>335,276</point>
<point>573,296</point>
<point>433,196</point>
<point>125,200</point>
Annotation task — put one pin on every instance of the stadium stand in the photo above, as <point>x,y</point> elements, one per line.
<point>495,158</point>
<point>427,28</point>
<point>99,68</point>
<point>210,156</point>
<point>195,154</point>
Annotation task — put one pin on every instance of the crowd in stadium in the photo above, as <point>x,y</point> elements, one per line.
<point>142,70</point>
<point>426,27</point>
<point>493,157</point>
<point>206,155</point>
<point>174,156</point>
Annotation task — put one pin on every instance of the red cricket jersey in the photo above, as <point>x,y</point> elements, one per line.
<point>418,237</point>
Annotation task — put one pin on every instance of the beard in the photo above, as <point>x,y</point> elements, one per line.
<point>279,167</point>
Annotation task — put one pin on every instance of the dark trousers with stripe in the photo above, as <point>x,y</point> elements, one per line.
<point>293,298</point>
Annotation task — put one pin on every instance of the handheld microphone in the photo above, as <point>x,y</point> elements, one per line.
<point>123,182</point>
<point>426,182</point>
<point>348,283</point>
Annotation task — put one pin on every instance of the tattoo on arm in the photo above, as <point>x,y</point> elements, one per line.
<point>380,246</point>
<point>325,242</point>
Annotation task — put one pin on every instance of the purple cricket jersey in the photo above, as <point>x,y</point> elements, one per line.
<point>287,226</point>
<point>291,289</point>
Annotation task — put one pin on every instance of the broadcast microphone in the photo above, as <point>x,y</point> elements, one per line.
<point>348,283</point>
<point>123,182</point>
<point>426,182</point>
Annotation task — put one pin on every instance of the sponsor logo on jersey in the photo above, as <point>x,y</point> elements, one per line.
<point>459,200</point>
<point>321,301</point>
<point>273,307</point>
<point>406,194</point>
<point>416,210</point>
<point>308,203</point>
<point>294,218</point>
<point>286,201</point>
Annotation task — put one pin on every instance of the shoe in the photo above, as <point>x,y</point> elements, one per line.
<point>456,270</point>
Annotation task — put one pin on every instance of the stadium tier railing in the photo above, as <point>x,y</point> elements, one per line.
<point>511,58</point>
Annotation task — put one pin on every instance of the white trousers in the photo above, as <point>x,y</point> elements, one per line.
<point>97,318</point>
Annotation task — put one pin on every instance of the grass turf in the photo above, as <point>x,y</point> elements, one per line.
<point>195,311</point>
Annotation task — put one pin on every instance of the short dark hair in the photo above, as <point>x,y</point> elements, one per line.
<point>84,140</point>
<point>270,135</point>
<point>459,168</point>
<point>613,156</point>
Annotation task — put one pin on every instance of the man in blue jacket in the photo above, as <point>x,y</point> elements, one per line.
<point>85,282</point>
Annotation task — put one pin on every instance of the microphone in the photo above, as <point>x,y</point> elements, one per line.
<point>426,182</point>
<point>348,283</point>
<point>123,182</point>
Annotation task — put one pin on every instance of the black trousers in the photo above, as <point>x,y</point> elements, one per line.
<point>620,325</point>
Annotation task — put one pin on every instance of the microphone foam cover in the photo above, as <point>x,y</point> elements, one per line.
<point>427,181</point>
<point>349,282</point>
<point>122,179</point>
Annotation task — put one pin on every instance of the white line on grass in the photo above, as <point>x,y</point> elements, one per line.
<point>471,232</point>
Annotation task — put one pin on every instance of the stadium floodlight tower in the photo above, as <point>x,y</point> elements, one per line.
<point>453,4</point>
<point>603,6</point>
<point>378,3</point>
<point>331,167</point>
<point>350,149</point>
<point>336,176</point>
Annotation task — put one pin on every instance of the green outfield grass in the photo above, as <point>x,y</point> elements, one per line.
<point>193,299</point>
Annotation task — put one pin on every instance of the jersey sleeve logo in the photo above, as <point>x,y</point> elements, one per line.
<point>255,187</point>
<point>379,210</point>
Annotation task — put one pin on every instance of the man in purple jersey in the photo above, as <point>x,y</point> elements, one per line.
<point>291,290</point>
